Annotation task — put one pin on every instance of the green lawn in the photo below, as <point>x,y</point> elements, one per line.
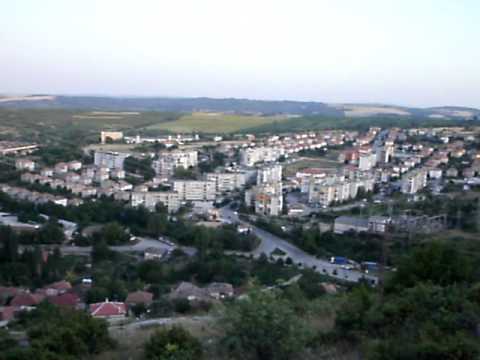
<point>216,123</point>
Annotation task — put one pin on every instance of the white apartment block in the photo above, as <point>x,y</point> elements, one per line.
<point>169,161</point>
<point>367,160</point>
<point>269,174</point>
<point>151,198</point>
<point>195,190</point>
<point>267,199</point>
<point>414,181</point>
<point>227,181</point>
<point>110,159</point>
<point>333,189</point>
<point>25,164</point>
<point>251,156</point>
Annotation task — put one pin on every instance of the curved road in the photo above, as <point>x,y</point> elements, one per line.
<point>270,242</point>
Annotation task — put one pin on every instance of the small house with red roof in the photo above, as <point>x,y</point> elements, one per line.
<point>26,300</point>
<point>108,309</point>
<point>69,300</point>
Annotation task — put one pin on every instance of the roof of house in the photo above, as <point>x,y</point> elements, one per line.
<point>7,313</point>
<point>185,290</point>
<point>107,308</point>
<point>222,288</point>
<point>60,285</point>
<point>67,299</point>
<point>26,299</point>
<point>139,297</point>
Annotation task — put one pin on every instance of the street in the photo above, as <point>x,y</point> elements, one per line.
<point>270,242</point>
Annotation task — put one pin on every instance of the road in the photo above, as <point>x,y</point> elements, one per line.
<point>140,246</point>
<point>270,242</point>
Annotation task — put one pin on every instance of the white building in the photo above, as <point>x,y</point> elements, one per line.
<point>267,199</point>
<point>367,159</point>
<point>169,161</point>
<point>269,174</point>
<point>150,199</point>
<point>251,156</point>
<point>195,190</point>
<point>414,181</point>
<point>110,159</point>
<point>227,181</point>
<point>338,189</point>
<point>25,164</point>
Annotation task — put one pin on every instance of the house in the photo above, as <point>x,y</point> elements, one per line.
<point>139,297</point>
<point>186,290</point>
<point>69,300</point>
<point>108,309</point>
<point>349,223</point>
<point>26,300</point>
<point>219,291</point>
<point>60,286</point>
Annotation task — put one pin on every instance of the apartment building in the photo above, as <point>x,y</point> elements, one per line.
<point>252,156</point>
<point>110,159</point>
<point>169,161</point>
<point>195,190</point>
<point>25,164</point>
<point>269,174</point>
<point>171,200</point>
<point>367,159</point>
<point>227,181</point>
<point>267,199</point>
<point>338,189</point>
<point>414,181</point>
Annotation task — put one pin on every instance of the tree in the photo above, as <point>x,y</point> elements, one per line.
<point>157,224</point>
<point>51,233</point>
<point>114,234</point>
<point>173,344</point>
<point>264,327</point>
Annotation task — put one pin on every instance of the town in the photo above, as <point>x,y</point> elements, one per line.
<point>254,180</point>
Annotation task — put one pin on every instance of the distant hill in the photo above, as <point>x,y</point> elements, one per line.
<point>234,106</point>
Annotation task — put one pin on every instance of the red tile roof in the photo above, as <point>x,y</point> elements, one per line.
<point>68,299</point>
<point>60,285</point>
<point>107,309</point>
<point>7,313</point>
<point>26,299</point>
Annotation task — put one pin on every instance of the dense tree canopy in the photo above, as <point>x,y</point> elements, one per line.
<point>173,344</point>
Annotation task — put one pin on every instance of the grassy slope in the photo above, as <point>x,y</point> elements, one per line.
<point>216,123</point>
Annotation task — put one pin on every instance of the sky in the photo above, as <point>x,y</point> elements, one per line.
<point>407,52</point>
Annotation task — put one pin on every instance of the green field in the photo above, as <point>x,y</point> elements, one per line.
<point>216,123</point>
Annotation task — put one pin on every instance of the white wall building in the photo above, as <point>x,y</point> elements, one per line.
<point>269,174</point>
<point>110,159</point>
<point>251,156</point>
<point>169,161</point>
<point>227,181</point>
<point>195,190</point>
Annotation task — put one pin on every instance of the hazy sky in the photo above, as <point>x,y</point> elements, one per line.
<point>411,52</point>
